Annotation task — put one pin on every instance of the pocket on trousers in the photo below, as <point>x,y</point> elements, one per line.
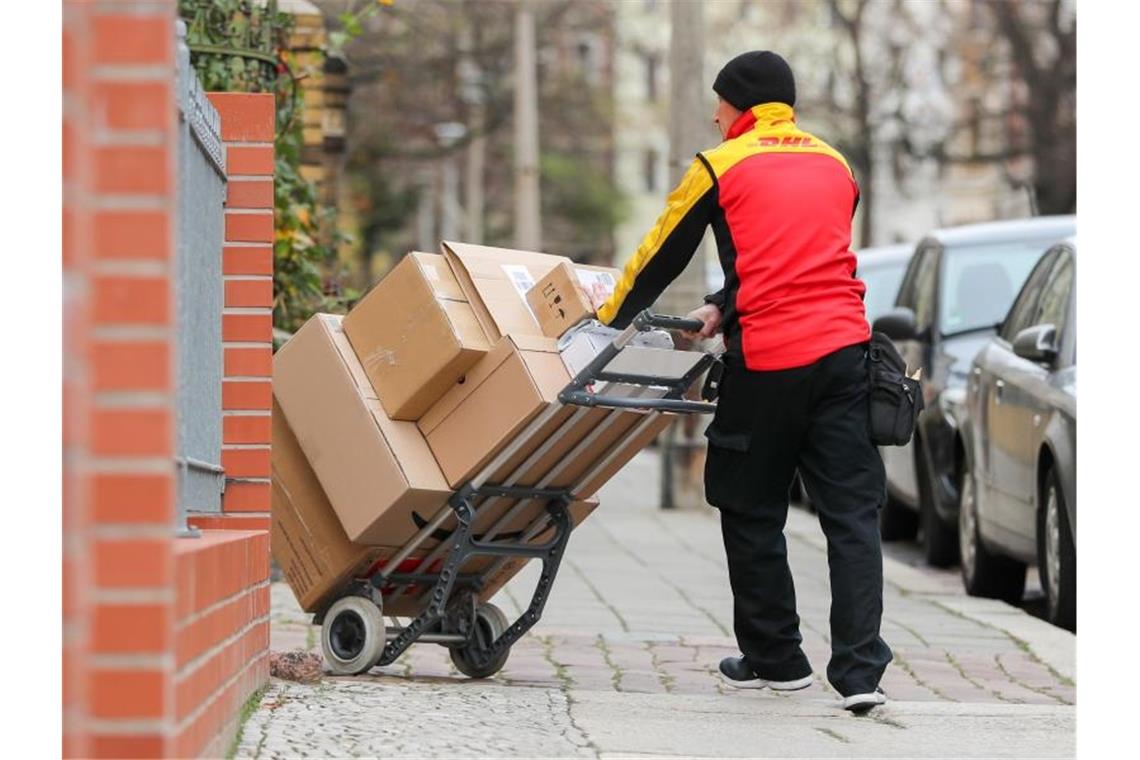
<point>731,426</point>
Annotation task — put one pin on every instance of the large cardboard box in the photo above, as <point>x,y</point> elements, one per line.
<point>377,472</point>
<point>415,334</point>
<point>305,537</point>
<point>470,423</point>
<point>562,298</point>
<point>317,558</point>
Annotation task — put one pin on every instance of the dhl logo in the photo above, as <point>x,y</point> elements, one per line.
<point>791,142</point>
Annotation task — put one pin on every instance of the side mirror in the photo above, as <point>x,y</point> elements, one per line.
<point>897,324</point>
<point>1037,344</point>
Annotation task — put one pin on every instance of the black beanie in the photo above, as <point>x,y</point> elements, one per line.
<point>760,76</point>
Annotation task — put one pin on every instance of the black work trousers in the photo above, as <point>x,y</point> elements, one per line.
<point>767,425</point>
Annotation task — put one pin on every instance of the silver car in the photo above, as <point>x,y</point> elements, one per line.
<point>956,291</point>
<point>1018,494</point>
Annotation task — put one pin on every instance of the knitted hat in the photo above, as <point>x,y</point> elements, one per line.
<point>760,76</point>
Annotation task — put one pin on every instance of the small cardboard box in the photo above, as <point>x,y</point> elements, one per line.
<point>495,282</point>
<point>494,401</point>
<point>561,299</point>
<point>305,537</point>
<point>377,472</point>
<point>415,334</point>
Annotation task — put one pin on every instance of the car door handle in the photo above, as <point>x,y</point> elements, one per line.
<point>999,387</point>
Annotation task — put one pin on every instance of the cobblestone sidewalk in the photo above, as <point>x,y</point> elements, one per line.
<point>623,662</point>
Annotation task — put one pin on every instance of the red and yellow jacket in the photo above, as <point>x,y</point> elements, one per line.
<point>780,203</point>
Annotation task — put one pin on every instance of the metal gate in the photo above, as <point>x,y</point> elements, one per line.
<point>200,234</point>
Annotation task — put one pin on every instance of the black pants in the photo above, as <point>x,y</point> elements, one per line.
<point>766,425</point>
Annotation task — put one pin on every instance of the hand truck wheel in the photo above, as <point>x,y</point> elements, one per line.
<point>353,635</point>
<point>490,624</point>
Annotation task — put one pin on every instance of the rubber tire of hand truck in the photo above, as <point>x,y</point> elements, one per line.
<point>492,623</point>
<point>353,636</point>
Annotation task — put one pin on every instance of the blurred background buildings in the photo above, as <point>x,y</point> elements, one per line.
<point>950,111</point>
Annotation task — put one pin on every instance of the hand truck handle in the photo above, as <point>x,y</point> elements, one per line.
<point>647,320</point>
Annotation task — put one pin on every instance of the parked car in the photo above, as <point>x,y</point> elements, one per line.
<point>956,291</point>
<point>1019,484</point>
<point>881,269</point>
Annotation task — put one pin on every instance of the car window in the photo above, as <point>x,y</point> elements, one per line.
<point>1053,309</point>
<point>1023,313</point>
<point>920,288</point>
<point>905,295</point>
<point>882,283</point>
<point>979,282</point>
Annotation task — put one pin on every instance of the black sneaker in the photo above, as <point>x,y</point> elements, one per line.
<point>861,704</point>
<point>735,671</point>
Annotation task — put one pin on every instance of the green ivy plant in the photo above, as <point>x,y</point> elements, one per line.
<point>240,46</point>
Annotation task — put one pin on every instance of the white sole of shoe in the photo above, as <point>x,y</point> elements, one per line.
<point>760,683</point>
<point>857,702</point>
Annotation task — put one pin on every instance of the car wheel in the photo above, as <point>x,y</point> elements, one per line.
<point>897,522</point>
<point>983,573</point>
<point>1057,556</point>
<point>939,540</point>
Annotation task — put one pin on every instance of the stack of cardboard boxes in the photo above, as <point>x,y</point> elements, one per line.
<point>381,415</point>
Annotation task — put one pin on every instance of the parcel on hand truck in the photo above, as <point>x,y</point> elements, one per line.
<point>495,471</point>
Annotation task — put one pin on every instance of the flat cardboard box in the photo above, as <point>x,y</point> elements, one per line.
<point>471,423</point>
<point>560,299</point>
<point>305,537</point>
<point>377,472</point>
<point>415,334</point>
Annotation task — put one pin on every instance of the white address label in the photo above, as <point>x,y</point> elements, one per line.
<point>520,277</point>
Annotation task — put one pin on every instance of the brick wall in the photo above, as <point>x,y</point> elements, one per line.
<point>247,317</point>
<point>119,177</point>
<point>76,377</point>
<point>163,638</point>
<point>222,636</point>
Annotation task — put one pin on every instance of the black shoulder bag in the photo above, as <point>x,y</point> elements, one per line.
<point>896,399</point>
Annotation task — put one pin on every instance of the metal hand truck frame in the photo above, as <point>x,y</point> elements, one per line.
<point>354,636</point>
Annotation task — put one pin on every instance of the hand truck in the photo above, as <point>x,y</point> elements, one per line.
<point>354,636</point>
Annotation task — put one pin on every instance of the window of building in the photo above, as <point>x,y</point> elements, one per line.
<point>649,170</point>
<point>652,64</point>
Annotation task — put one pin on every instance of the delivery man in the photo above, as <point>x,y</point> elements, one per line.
<point>795,391</point>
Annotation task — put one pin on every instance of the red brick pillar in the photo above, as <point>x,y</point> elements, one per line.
<point>223,577</point>
<point>119,201</point>
<point>247,320</point>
